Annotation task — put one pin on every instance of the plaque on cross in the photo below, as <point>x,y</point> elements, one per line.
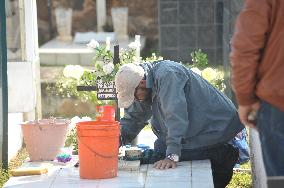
<point>106,90</point>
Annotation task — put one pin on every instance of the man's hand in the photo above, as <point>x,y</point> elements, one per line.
<point>165,164</point>
<point>247,114</point>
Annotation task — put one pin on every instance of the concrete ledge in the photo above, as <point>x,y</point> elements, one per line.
<point>275,181</point>
<point>57,52</point>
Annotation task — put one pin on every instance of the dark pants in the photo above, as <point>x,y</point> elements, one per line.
<point>270,123</point>
<point>223,157</point>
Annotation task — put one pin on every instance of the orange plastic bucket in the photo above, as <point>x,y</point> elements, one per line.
<point>106,113</point>
<point>98,143</point>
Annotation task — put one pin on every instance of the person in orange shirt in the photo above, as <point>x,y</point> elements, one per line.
<point>257,60</point>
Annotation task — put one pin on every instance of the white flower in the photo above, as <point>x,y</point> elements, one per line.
<point>196,70</point>
<point>74,120</point>
<point>108,68</point>
<point>209,74</point>
<point>86,118</point>
<point>78,72</point>
<point>134,45</point>
<point>93,44</point>
<point>66,71</point>
<point>73,71</point>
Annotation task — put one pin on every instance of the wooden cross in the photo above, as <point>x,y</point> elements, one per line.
<point>106,90</point>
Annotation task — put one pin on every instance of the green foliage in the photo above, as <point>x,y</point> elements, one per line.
<point>67,87</point>
<point>88,79</point>
<point>102,54</point>
<point>102,58</point>
<point>71,139</point>
<point>4,176</point>
<point>152,58</point>
<point>127,56</point>
<point>241,179</point>
<point>199,59</point>
<point>215,76</point>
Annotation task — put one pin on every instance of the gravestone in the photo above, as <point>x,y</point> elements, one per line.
<point>101,14</point>
<point>120,22</point>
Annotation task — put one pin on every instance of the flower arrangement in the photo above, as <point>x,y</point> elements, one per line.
<point>102,68</point>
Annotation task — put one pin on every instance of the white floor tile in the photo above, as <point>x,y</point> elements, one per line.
<point>166,184</point>
<point>76,184</point>
<point>69,178</point>
<point>179,171</point>
<point>201,164</point>
<point>201,174</point>
<point>202,185</point>
<point>196,174</point>
<point>125,179</point>
<point>120,185</point>
<point>35,181</point>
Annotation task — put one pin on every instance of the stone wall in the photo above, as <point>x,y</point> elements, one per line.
<point>230,12</point>
<point>188,25</point>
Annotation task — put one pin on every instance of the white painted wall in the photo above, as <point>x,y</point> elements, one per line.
<point>21,98</point>
<point>24,78</point>
<point>15,138</point>
<point>21,87</point>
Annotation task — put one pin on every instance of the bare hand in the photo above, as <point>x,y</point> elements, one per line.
<point>247,114</point>
<point>165,164</point>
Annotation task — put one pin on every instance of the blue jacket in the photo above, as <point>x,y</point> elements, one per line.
<point>187,112</point>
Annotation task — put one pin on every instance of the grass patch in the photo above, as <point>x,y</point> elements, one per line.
<point>241,179</point>
<point>16,162</point>
<point>4,176</point>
